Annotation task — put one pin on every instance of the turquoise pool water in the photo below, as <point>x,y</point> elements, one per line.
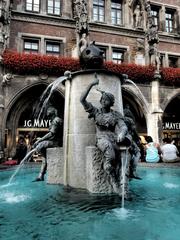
<point>34,210</point>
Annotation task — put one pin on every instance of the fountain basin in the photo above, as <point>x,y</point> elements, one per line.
<point>36,210</point>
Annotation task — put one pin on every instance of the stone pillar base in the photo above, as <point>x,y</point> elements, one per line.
<point>55,165</point>
<point>94,178</point>
<point>97,179</point>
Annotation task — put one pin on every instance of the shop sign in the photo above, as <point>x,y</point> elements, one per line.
<point>171,126</point>
<point>37,123</point>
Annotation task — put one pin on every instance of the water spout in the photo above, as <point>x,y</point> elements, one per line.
<point>137,88</point>
<point>124,161</point>
<point>45,97</point>
<point>26,158</point>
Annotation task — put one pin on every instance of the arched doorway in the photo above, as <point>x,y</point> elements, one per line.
<point>171,121</point>
<point>20,118</point>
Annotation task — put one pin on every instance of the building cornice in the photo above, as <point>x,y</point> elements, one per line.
<point>121,30</point>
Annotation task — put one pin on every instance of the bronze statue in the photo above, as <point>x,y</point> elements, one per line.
<point>51,139</point>
<point>91,56</point>
<point>134,149</point>
<point>111,131</point>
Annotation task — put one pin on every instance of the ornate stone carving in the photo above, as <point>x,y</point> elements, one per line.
<point>5,16</point>
<point>83,43</point>
<point>138,17</point>
<point>5,11</point>
<point>140,44</point>
<point>7,79</point>
<point>81,16</point>
<point>153,39</point>
<point>152,30</point>
<point>155,57</point>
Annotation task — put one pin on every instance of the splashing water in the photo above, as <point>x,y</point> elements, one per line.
<point>11,197</point>
<point>137,88</point>
<point>26,158</point>
<point>171,185</point>
<point>45,97</point>
<point>122,213</point>
<point>123,175</point>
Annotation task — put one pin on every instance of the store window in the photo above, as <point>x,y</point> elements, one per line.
<point>173,61</point>
<point>169,21</point>
<point>116,12</point>
<point>33,5</point>
<point>53,48</point>
<point>155,14</point>
<point>98,10</point>
<point>118,56</point>
<point>54,7</point>
<point>31,46</point>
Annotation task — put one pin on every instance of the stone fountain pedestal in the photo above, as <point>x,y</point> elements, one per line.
<point>73,165</point>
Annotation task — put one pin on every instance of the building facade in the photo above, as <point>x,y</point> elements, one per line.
<point>119,27</point>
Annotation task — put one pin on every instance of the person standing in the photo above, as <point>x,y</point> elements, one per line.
<point>169,151</point>
<point>21,150</point>
<point>152,150</point>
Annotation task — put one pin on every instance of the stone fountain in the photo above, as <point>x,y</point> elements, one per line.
<point>99,150</point>
<point>80,163</point>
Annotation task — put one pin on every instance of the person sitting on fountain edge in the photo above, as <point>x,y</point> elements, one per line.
<point>110,131</point>
<point>51,139</point>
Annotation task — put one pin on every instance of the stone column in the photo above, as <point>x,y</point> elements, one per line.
<point>90,10</point>
<point>178,21</point>
<point>107,11</point>
<point>6,7</point>
<point>128,18</point>
<point>66,130</point>
<point>79,131</point>
<point>155,118</point>
<point>66,9</point>
<point>154,126</point>
<point>1,118</point>
<point>162,19</point>
<point>166,60</point>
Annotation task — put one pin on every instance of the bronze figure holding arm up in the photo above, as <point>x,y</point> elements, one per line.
<point>111,131</point>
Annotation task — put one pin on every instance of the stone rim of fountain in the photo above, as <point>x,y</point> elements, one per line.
<point>122,77</point>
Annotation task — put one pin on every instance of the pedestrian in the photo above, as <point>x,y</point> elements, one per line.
<point>169,151</point>
<point>142,145</point>
<point>152,151</point>
<point>21,150</point>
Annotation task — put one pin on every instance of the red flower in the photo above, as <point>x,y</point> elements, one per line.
<point>23,63</point>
